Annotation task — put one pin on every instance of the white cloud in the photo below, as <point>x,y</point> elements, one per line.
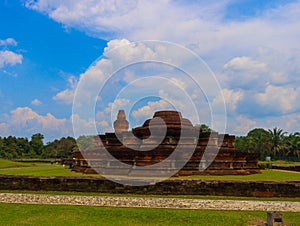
<point>23,121</point>
<point>67,96</point>
<point>257,58</point>
<point>9,58</point>
<point>113,108</point>
<point>279,99</point>
<point>153,76</point>
<point>244,72</point>
<point>4,130</point>
<point>136,18</point>
<point>178,82</point>
<point>244,64</point>
<point>26,117</point>
<point>243,125</point>
<point>8,41</point>
<point>292,122</point>
<point>200,25</point>
<point>288,122</point>
<point>148,110</point>
<point>36,102</point>
<point>231,99</point>
<point>117,104</point>
<point>87,126</point>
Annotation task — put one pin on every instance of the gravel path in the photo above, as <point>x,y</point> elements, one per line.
<point>173,203</point>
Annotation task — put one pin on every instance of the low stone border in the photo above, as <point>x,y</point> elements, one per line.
<point>294,168</point>
<point>173,203</point>
<point>168,187</point>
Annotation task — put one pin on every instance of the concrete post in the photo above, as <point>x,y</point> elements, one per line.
<point>274,219</point>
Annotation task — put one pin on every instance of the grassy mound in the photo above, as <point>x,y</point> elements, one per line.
<point>11,164</point>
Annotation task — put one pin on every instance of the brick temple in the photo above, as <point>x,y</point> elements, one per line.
<point>211,153</point>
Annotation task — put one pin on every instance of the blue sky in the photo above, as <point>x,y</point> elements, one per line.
<point>48,47</point>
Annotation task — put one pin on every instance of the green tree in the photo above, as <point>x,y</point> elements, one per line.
<point>292,146</point>
<point>23,148</point>
<point>204,128</point>
<point>241,144</point>
<point>257,141</point>
<point>277,138</point>
<point>37,144</point>
<point>62,148</point>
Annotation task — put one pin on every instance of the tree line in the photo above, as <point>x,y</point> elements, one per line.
<point>22,148</point>
<point>275,143</point>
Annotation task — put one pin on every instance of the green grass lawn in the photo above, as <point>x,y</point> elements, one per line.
<point>43,169</point>
<point>265,175</point>
<point>10,164</point>
<point>46,169</point>
<point>20,214</point>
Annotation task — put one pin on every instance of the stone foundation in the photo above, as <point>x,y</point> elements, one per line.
<point>168,187</point>
<point>199,152</point>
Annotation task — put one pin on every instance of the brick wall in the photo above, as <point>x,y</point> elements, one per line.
<point>170,187</point>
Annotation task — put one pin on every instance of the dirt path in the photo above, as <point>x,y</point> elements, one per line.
<point>172,203</point>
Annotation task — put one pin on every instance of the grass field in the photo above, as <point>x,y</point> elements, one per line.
<point>36,169</point>
<point>20,214</point>
<point>265,175</point>
<point>43,169</point>
<point>10,164</point>
<point>46,169</point>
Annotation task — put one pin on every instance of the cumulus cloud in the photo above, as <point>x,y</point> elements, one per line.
<point>4,129</point>
<point>117,104</point>
<point>243,125</point>
<point>8,41</point>
<point>36,102</point>
<point>134,19</point>
<point>67,96</point>
<point>231,99</point>
<point>111,86</point>
<point>26,117</point>
<point>152,106</point>
<point>244,63</point>
<point>288,122</point>
<point>23,121</point>
<point>244,72</point>
<point>9,58</point>
<point>201,24</point>
<point>279,99</point>
<point>257,58</point>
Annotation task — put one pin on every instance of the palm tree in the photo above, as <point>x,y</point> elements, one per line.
<point>293,143</point>
<point>259,141</point>
<point>277,137</point>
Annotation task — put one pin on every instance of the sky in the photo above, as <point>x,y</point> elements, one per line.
<point>231,64</point>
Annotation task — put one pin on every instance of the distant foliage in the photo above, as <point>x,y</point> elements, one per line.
<point>62,148</point>
<point>21,148</point>
<point>204,128</point>
<point>276,143</point>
